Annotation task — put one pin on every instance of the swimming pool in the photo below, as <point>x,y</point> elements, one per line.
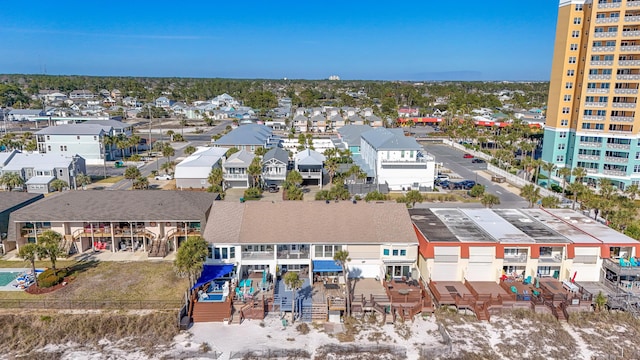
<point>213,297</point>
<point>7,277</point>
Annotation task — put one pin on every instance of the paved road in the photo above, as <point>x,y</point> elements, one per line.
<point>452,159</point>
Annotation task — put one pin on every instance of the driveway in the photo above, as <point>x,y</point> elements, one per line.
<point>452,159</point>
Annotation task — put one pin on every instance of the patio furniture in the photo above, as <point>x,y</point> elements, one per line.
<point>624,263</point>
<point>633,261</point>
<point>514,289</point>
<point>536,293</point>
<point>527,281</point>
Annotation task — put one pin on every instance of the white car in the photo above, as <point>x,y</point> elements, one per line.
<point>164,177</point>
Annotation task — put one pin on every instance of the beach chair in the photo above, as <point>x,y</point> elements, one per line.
<point>514,290</point>
<point>536,293</point>
<point>633,261</point>
<point>527,280</point>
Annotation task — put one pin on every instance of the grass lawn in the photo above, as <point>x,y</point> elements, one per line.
<point>109,180</point>
<point>112,281</point>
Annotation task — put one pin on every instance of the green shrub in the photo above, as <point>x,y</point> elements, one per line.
<point>50,278</point>
<point>252,193</point>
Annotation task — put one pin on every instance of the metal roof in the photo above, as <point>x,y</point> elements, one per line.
<point>385,139</point>
<point>249,134</point>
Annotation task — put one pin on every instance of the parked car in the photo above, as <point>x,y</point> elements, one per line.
<point>444,184</point>
<point>467,156</point>
<point>164,177</point>
<point>478,161</point>
<point>273,188</point>
<point>467,184</point>
<point>441,178</point>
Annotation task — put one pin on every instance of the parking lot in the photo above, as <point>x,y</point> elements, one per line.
<point>465,169</point>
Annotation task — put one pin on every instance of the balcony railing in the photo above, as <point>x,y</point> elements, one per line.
<point>597,91</point>
<point>628,77</point>
<point>627,91</point>
<point>607,20</point>
<point>515,259</point>
<point>585,259</point>
<point>630,48</point>
<point>550,259</point>
<point>591,171</point>
<point>631,3</point>
<point>593,117</point>
<point>608,34</point>
<point>257,255</point>
<point>619,146</point>
<point>406,160</point>
<point>590,144</point>
<point>622,118</point>
<point>633,33</point>
<point>235,176</point>
<point>311,174</point>
<point>614,172</point>
<point>631,18</point>
<point>601,63</point>
<point>291,254</point>
<point>613,159</point>
<point>588,157</point>
<point>614,265</point>
<point>603,49</point>
<point>600,77</point>
<point>623,105</point>
<point>611,5</point>
<point>595,104</point>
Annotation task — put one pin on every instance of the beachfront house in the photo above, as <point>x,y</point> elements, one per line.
<point>193,172</point>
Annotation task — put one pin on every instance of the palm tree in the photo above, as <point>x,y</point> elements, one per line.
<point>548,167</point>
<point>488,200</point>
<point>255,170</point>
<point>632,191</point>
<point>11,180</point>
<point>342,258</point>
<point>189,150</point>
<point>550,202</point>
<point>108,142</point>
<point>215,176</point>
<point>83,180</point>
<point>132,173</point>
<point>579,173</point>
<point>168,151</point>
<point>122,142</point>
<point>190,258</point>
<point>565,172</point>
<point>576,188</point>
<point>168,166</point>
<point>50,246</point>
<point>293,281</point>
<point>134,141</point>
<point>59,185</point>
<point>141,182</point>
<point>29,252</point>
<point>531,193</point>
<point>413,197</point>
<point>294,177</point>
<point>331,164</point>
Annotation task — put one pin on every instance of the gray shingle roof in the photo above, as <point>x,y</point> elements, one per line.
<point>351,133</point>
<point>95,205</point>
<point>107,123</point>
<point>240,158</point>
<point>277,153</point>
<point>11,199</point>
<point>72,129</point>
<point>385,139</point>
<point>250,134</point>
<point>309,222</point>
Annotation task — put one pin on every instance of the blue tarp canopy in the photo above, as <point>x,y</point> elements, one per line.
<point>326,266</point>
<point>212,272</point>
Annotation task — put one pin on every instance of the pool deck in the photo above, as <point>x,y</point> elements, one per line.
<point>11,286</point>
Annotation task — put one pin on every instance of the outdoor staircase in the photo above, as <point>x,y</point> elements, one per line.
<point>561,313</point>
<point>67,244</point>
<point>158,248</point>
<point>306,313</point>
<point>481,311</point>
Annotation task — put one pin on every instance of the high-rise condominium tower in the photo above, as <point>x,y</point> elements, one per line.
<point>593,119</point>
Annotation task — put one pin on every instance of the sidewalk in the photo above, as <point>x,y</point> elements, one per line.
<point>505,185</point>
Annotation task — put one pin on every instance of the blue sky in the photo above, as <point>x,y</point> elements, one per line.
<point>367,40</point>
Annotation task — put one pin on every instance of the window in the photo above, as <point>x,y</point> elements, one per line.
<point>578,7</point>
<point>636,168</point>
<point>570,72</point>
<point>48,137</point>
<point>385,252</point>
<point>403,252</point>
<point>562,135</point>
<point>544,270</point>
<point>78,137</point>
<point>568,85</point>
<point>561,146</point>
<point>577,21</point>
<point>395,252</point>
<point>637,155</point>
<point>575,34</point>
<point>95,138</point>
<point>402,153</point>
<point>572,60</point>
<point>48,147</point>
<point>560,158</point>
<point>567,98</point>
<point>565,110</point>
<point>564,122</point>
<point>574,47</point>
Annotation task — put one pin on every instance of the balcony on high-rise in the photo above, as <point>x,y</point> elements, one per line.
<point>609,4</point>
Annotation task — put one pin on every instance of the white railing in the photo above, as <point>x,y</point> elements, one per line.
<point>610,5</point>
<point>615,159</point>
<point>600,77</point>
<point>628,62</point>
<point>588,157</point>
<point>595,104</point>
<point>602,63</point>
<point>626,91</point>
<point>614,172</point>
<point>633,33</point>
<point>622,118</point>
<point>632,18</point>
<point>607,20</point>
<point>593,117</point>
<point>235,176</point>
<point>590,144</point>
<point>630,48</point>
<point>603,49</point>
<point>631,3</point>
<point>619,146</point>
<point>624,105</point>
<point>628,77</point>
<point>597,91</point>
